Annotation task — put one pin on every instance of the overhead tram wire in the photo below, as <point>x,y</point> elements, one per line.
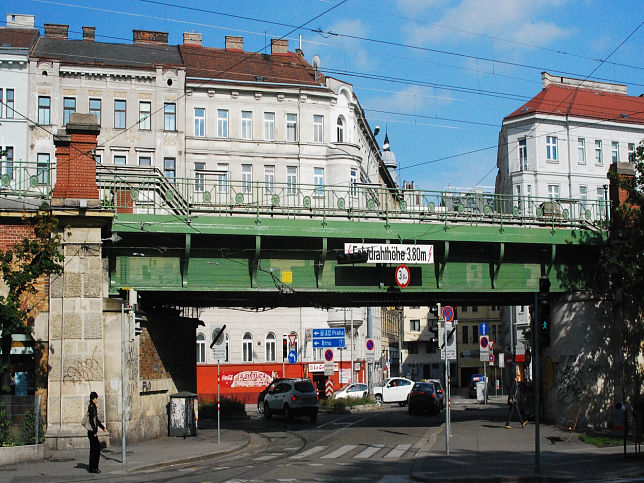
<point>329,33</point>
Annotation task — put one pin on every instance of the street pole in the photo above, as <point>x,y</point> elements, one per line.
<point>122,383</point>
<point>351,338</point>
<point>369,364</point>
<point>218,406</point>
<point>447,428</point>
<point>537,384</point>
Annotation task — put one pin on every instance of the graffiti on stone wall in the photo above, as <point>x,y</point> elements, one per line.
<point>84,370</point>
<point>132,361</point>
<point>570,376</point>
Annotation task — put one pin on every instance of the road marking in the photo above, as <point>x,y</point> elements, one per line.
<point>398,451</point>
<point>269,456</point>
<point>340,451</point>
<point>370,451</point>
<point>308,452</point>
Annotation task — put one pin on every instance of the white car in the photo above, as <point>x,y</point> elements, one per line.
<point>352,390</point>
<point>292,397</point>
<point>393,390</point>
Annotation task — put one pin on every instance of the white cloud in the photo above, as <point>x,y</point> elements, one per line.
<point>349,52</point>
<point>516,20</point>
<point>410,100</point>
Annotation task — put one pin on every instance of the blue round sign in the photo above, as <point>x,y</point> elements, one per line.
<point>292,357</point>
<point>328,355</point>
<point>448,313</point>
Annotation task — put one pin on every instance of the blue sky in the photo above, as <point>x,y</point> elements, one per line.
<point>437,75</point>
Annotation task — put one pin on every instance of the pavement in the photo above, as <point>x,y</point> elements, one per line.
<point>481,449</point>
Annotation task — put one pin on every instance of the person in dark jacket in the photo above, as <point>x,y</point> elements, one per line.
<point>513,404</point>
<point>92,435</point>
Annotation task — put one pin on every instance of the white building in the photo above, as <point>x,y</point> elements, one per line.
<point>559,144</point>
<point>16,40</point>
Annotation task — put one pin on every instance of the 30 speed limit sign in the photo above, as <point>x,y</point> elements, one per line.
<point>403,276</point>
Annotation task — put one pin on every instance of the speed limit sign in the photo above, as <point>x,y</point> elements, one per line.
<point>403,276</point>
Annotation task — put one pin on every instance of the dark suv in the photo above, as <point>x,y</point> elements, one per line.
<point>292,397</point>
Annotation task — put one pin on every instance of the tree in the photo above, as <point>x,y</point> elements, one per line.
<point>622,263</point>
<point>22,266</point>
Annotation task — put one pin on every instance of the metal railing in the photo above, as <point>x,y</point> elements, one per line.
<point>21,422</point>
<point>146,190</point>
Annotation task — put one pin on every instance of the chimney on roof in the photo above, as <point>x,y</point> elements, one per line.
<point>56,31</point>
<point>234,43</point>
<point>89,33</point>
<point>149,37</point>
<point>192,38</point>
<point>20,21</point>
<point>279,46</point>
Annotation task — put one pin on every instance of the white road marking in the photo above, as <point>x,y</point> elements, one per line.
<point>398,451</point>
<point>308,452</point>
<point>370,451</point>
<point>340,451</point>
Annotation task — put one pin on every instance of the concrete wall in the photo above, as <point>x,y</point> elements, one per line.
<point>577,372</point>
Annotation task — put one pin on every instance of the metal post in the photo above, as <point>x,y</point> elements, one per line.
<point>447,429</point>
<point>37,414</point>
<point>351,339</point>
<point>485,379</point>
<point>218,406</point>
<point>370,364</point>
<point>537,384</point>
<point>123,383</point>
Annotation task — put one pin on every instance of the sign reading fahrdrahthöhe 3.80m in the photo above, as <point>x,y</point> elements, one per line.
<point>383,253</point>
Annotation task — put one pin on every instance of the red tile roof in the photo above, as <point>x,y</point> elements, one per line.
<point>587,103</point>
<point>21,38</point>
<point>217,64</point>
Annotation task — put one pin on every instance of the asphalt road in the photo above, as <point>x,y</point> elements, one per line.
<point>369,446</point>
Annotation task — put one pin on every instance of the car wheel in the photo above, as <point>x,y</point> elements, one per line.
<point>267,411</point>
<point>379,399</point>
<point>314,415</point>
<point>402,404</point>
<point>260,407</point>
<point>287,414</point>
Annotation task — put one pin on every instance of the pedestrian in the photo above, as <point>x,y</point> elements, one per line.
<point>92,434</point>
<point>513,404</point>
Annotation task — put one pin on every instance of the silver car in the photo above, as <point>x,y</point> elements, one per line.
<point>352,391</point>
<point>292,397</point>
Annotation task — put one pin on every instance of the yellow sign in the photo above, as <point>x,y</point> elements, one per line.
<point>287,276</point>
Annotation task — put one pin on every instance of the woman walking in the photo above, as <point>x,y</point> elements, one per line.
<point>92,434</point>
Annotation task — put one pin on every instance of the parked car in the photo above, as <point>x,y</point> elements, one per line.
<point>292,397</point>
<point>352,390</point>
<point>393,390</point>
<point>423,397</point>
<point>440,393</point>
<point>262,394</point>
<point>473,380</point>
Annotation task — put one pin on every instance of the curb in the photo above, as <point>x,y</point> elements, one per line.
<point>193,459</point>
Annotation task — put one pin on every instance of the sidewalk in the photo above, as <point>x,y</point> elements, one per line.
<point>139,456</point>
<point>482,449</point>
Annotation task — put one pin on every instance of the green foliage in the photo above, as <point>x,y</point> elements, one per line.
<point>21,266</point>
<point>5,428</point>
<point>342,404</point>
<point>29,429</point>
<point>622,268</point>
<point>603,440</point>
<point>229,407</point>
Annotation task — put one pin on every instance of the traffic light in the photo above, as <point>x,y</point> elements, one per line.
<point>284,348</point>
<point>355,257</point>
<point>433,309</point>
<point>544,312</point>
<point>434,330</point>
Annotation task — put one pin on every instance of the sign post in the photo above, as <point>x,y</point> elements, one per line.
<point>218,348</point>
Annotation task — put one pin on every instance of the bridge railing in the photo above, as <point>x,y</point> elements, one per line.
<point>146,190</point>
<point>25,179</point>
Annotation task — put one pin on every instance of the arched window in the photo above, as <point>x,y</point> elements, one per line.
<point>201,348</point>
<point>247,347</point>
<point>340,129</point>
<point>270,347</point>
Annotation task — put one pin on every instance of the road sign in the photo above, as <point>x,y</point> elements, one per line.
<point>403,276</point>
<point>292,338</point>
<point>491,342</point>
<point>484,342</point>
<point>328,362</point>
<point>292,357</point>
<point>448,313</point>
<point>491,358</point>
<point>370,350</point>
<point>451,343</point>
<point>218,345</point>
<point>328,338</point>
<point>329,342</point>
<point>391,253</point>
<point>484,328</point>
<point>328,387</point>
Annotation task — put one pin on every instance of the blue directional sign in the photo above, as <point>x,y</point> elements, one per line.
<point>292,357</point>
<point>329,333</point>
<point>484,328</point>
<point>329,342</point>
<point>323,338</point>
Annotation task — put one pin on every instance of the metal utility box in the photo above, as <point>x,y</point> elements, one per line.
<point>481,392</point>
<point>182,418</point>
